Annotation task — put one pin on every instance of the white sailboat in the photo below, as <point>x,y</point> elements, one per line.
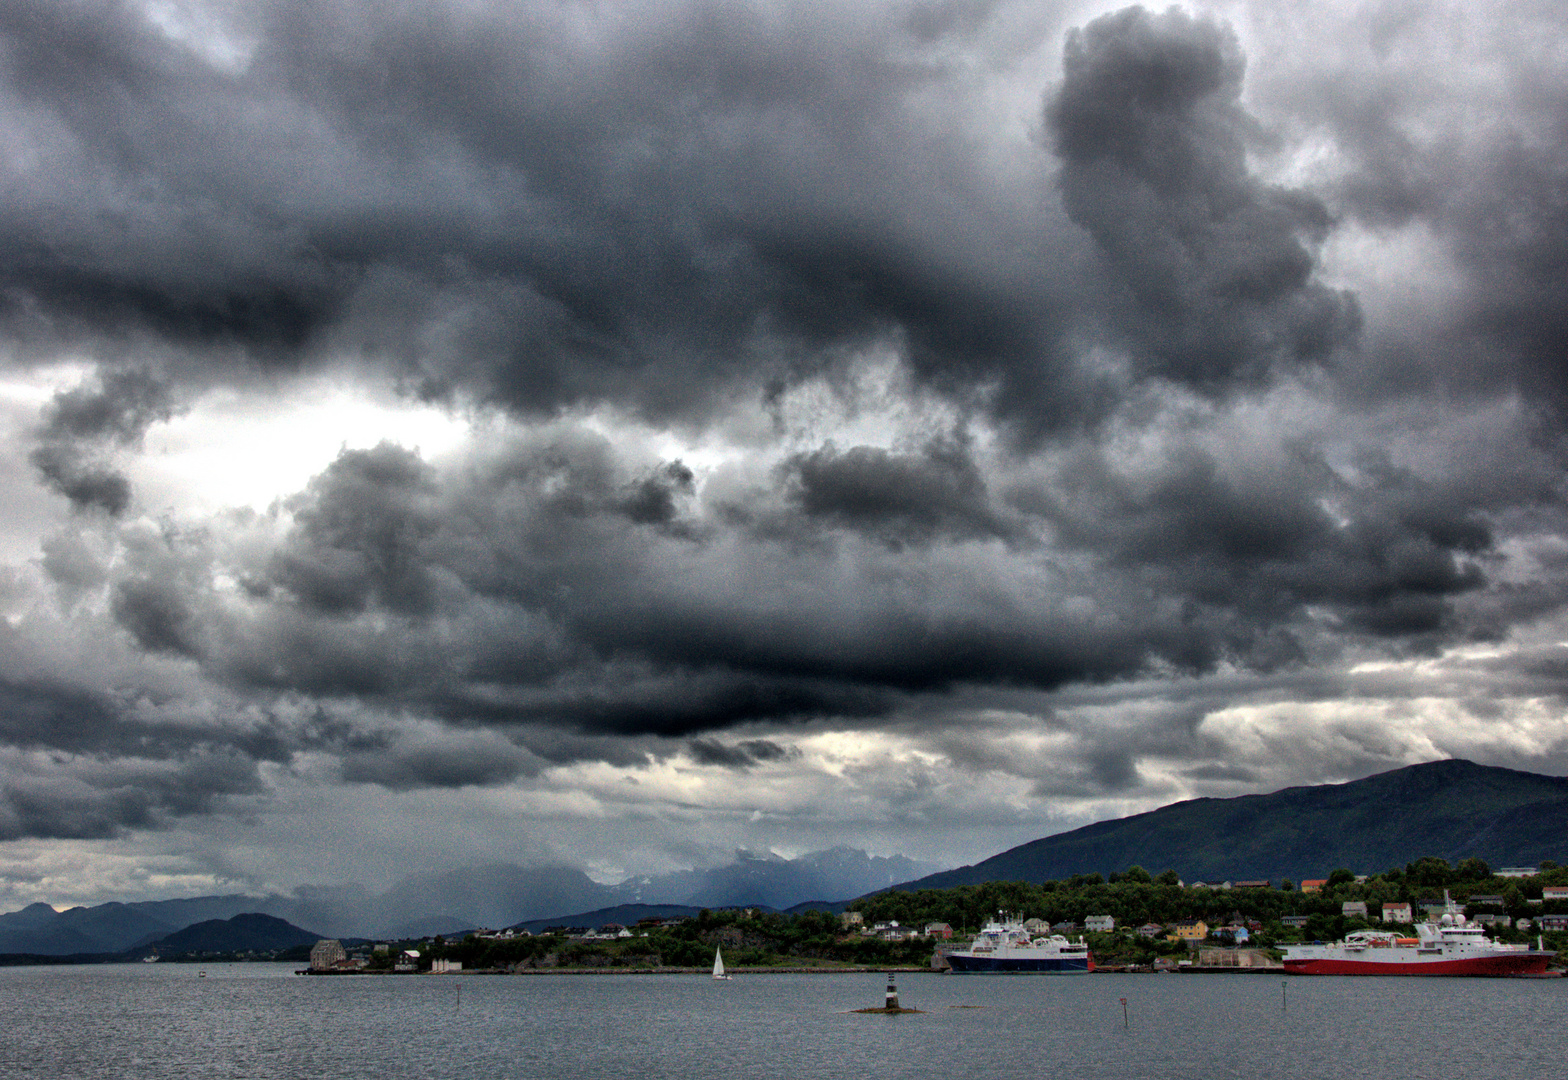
<point>718,964</point>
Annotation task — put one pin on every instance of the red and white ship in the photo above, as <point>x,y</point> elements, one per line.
<point>1449,946</point>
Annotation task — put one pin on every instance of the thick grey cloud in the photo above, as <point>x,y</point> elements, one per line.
<point>832,368</point>
<point>898,497</point>
<point>740,755</point>
<point>1215,262</point>
<point>82,423</point>
<point>483,198</point>
<point>96,800</point>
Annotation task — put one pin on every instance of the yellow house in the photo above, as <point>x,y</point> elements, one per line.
<point>1314,884</point>
<point>1193,930</point>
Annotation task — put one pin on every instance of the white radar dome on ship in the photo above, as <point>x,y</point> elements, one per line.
<point>1448,920</point>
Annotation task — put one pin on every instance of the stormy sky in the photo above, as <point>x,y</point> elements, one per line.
<point>617,434</point>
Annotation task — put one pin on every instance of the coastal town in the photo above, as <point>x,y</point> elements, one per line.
<point>1132,921</point>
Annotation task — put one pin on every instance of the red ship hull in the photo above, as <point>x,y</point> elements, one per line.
<point>1503,964</point>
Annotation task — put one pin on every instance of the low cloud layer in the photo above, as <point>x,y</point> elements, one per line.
<point>879,424</point>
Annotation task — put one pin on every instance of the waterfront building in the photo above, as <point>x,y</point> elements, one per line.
<point>326,954</point>
<point>1234,958</point>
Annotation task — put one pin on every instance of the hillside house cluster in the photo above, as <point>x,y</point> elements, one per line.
<point>1255,884</point>
<point>891,931</point>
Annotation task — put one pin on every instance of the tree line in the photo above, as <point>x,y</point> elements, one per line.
<point>1132,897</point>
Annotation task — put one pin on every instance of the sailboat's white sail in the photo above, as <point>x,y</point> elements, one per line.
<point>718,964</point>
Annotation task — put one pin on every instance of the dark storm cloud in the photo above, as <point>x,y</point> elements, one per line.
<point>553,583</point>
<point>543,206</point>
<point>489,199</point>
<point>653,499</point>
<point>1514,237</point>
<point>81,424</point>
<point>80,763</point>
<point>156,614</point>
<point>92,801</point>
<point>1216,263</point>
<point>1255,542</point>
<point>119,408</point>
<point>450,762</point>
<point>741,755</point>
<point>85,483</point>
<point>897,497</point>
<point>360,529</point>
<point>40,713</point>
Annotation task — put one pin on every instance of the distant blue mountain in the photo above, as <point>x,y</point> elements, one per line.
<point>773,881</point>
<point>38,928</point>
<point>471,897</point>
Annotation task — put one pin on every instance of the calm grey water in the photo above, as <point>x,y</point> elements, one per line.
<point>262,1021</point>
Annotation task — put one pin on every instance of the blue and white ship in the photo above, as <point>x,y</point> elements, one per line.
<point>1003,946</point>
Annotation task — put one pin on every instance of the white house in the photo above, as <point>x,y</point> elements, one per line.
<point>1101,923</point>
<point>1397,913</point>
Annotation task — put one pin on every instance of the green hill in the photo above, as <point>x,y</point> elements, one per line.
<point>1451,809</point>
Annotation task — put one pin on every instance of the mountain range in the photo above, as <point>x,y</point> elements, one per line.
<point>250,932</point>
<point>1451,809</point>
<point>451,901</point>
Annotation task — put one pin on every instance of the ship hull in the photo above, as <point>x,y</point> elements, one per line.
<point>1018,965</point>
<point>1501,965</point>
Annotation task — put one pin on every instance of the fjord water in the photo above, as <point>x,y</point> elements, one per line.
<point>261,1021</point>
